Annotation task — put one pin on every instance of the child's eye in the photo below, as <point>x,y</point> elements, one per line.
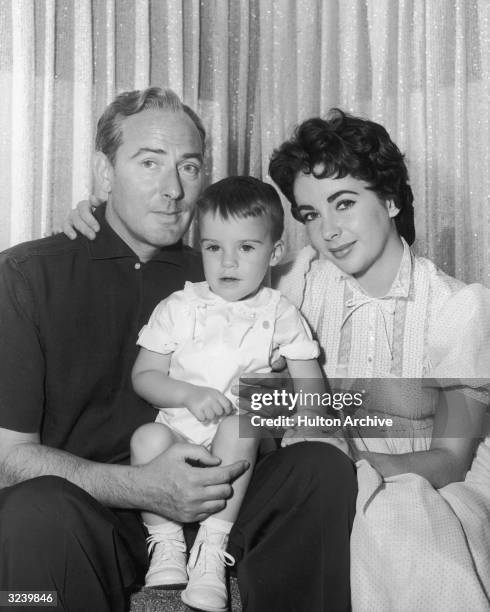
<point>310,216</point>
<point>247,248</point>
<point>212,248</point>
<point>344,204</point>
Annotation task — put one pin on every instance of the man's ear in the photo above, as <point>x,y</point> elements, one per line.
<point>103,173</point>
<point>392,208</point>
<point>277,253</point>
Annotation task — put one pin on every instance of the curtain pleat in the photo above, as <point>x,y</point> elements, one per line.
<point>22,120</point>
<point>82,98</point>
<point>48,102</point>
<point>253,69</point>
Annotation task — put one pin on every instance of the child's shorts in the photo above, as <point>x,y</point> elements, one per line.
<point>183,422</point>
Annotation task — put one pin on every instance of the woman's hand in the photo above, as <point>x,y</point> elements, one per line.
<point>81,219</point>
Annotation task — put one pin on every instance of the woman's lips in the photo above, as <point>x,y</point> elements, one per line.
<point>342,250</point>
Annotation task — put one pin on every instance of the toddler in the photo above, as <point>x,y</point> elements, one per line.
<point>196,343</point>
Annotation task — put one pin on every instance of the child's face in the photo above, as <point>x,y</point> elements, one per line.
<point>236,254</point>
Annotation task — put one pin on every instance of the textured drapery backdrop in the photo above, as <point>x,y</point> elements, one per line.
<point>253,69</point>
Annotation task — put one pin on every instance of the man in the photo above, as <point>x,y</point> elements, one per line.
<point>69,317</point>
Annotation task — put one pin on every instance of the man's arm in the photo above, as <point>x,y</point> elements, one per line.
<point>168,485</point>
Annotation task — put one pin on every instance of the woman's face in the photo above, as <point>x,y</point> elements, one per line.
<point>350,225</point>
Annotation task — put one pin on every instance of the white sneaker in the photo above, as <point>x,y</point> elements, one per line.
<point>207,573</point>
<point>167,561</point>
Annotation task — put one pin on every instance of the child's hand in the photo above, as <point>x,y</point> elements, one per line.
<point>207,404</point>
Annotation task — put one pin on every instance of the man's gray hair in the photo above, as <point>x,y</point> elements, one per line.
<point>109,132</point>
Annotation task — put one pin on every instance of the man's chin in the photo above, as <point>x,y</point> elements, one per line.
<point>167,237</point>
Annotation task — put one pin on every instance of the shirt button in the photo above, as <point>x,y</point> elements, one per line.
<point>137,266</point>
<point>370,359</point>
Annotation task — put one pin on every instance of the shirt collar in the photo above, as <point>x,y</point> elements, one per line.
<point>109,245</point>
<point>203,293</point>
<point>400,288</point>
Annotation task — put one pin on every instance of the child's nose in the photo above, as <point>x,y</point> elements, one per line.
<point>229,259</point>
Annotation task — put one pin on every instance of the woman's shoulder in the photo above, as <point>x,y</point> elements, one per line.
<point>459,327</point>
<point>449,293</point>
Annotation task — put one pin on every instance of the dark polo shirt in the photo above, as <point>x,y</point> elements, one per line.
<point>70,313</point>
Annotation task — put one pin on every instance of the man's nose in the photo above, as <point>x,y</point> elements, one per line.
<point>171,186</point>
<point>330,227</point>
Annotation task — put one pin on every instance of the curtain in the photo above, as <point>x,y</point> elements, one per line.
<point>253,69</point>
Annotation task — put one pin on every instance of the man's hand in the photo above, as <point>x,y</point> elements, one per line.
<point>171,485</point>
<point>207,404</point>
<point>81,219</point>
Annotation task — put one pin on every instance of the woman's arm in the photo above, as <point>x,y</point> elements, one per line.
<point>151,381</point>
<point>457,429</point>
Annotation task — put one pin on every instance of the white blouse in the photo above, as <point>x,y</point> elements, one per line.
<point>428,325</point>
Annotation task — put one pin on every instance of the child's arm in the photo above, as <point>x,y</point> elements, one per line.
<point>308,377</point>
<point>152,382</point>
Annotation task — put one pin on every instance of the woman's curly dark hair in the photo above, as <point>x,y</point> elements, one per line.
<point>342,145</point>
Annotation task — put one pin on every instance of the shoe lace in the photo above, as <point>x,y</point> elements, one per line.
<point>167,548</point>
<point>207,555</point>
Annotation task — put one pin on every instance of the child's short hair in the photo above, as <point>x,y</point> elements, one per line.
<point>340,145</point>
<point>244,196</point>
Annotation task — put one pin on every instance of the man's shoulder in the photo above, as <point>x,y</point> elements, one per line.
<point>193,260</point>
<point>191,253</point>
<point>42,248</point>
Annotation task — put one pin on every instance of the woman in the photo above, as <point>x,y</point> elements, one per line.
<point>421,536</point>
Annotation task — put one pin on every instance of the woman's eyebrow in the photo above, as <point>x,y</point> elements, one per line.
<point>335,195</point>
<point>306,207</point>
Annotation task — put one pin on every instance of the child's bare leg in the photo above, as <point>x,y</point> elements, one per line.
<point>147,442</point>
<point>166,544</point>
<point>236,439</point>
<point>207,585</point>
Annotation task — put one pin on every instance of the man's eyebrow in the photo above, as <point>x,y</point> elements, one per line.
<point>149,150</point>
<point>198,156</point>
<point>142,150</point>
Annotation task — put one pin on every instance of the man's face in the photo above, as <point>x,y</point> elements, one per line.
<point>155,180</point>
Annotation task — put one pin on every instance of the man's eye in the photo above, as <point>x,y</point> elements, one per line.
<point>344,204</point>
<point>148,163</point>
<point>310,216</point>
<point>190,169</point>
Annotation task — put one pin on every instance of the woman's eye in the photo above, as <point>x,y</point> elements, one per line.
<point>310,216</point>
<point>344,204</point>
<point>212,247</point>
